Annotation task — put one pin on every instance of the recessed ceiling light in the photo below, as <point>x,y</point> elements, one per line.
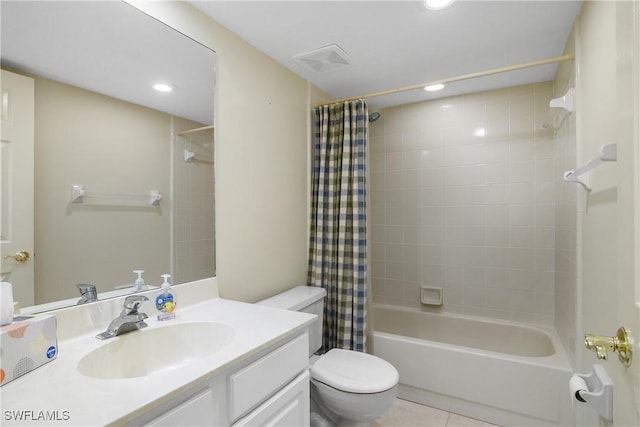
<point>437,4</point>
<point>162,87</point>
<point>434,88</point>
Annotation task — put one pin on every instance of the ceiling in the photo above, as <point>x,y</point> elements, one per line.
<point>111,48</point>
<point>392,44</point>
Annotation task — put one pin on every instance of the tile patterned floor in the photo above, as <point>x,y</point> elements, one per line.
<point>408,414</point>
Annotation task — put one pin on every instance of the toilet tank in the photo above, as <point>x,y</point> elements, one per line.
<point>307,299</point>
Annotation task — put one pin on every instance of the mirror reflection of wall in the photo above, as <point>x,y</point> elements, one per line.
<point>114,147</point>
<point>109,147</point>
<point>92,137</point>
<point>194,202</point>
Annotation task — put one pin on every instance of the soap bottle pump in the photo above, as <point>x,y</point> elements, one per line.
<point>138,285</point>
<point>166,301</point>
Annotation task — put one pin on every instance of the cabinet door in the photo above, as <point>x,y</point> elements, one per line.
<point>254,383</point>
<point>197,411</point>
<point>290,407</point>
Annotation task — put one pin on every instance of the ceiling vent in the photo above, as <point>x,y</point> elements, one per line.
<point>324,59</point>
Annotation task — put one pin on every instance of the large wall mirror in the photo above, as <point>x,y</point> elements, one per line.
<point>123,174</point>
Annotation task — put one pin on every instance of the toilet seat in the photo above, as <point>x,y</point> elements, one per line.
<point>354,372</point>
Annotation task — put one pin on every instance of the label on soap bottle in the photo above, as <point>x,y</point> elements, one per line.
<point>166,305</point>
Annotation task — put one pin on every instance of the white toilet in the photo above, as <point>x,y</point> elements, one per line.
<point>348,388</point>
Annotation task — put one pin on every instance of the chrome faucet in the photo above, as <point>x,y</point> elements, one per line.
<point>129,319</point>
<point>88,293</point>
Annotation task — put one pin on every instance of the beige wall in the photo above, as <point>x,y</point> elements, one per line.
<point>262,137</point>
<point>109,147</point>
<point>462,198</point>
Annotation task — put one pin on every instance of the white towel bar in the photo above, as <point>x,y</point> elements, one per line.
<point>608,153</point>
<point>78,196</point>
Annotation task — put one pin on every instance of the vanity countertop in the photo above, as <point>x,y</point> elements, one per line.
<point>58,391</point>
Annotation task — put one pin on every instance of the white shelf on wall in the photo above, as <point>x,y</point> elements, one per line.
<point>560,109</point>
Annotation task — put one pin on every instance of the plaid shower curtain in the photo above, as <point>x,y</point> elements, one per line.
<point>338,238</point>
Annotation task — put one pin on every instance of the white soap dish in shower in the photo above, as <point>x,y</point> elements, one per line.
<point>430,295</point>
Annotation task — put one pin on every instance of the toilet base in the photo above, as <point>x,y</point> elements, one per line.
<point>318,420</point>
<point>319,416</point>
<point>369,409</point>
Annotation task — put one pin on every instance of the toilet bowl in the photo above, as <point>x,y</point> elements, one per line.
<point>353,388</point>
<point>348,388</point>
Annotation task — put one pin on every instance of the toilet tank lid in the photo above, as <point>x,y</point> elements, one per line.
<point>295,298</point>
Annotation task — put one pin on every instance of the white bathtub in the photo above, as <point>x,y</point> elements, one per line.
<point>504,373</point>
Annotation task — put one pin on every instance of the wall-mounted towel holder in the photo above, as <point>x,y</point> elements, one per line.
<point>559,109</point>
<point>80,196</point>
<point>608,153</point>
<point>595,389</point>
<point>566,102</point>
<point>190,157</point>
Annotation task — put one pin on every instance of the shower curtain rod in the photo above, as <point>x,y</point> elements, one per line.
<point>184,132</point>
<point>516,67</point>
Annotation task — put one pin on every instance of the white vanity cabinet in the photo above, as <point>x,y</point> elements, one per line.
<point>269,389</point>
<point>259,377</point>
<point>289,407</point>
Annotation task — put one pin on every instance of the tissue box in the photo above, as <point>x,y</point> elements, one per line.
<point>26,345</point>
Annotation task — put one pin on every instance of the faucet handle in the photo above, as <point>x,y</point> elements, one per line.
<point>133,302</point>
<point>88,293</point>
<point>85,287</point>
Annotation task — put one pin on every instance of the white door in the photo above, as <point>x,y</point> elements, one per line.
<point>16,184</point>
<point>608,50</point>
<point>627,379</point>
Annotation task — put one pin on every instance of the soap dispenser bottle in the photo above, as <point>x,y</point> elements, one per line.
<point>138,285</point>
<point>166,301</point>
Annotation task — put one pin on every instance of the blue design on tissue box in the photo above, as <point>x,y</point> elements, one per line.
<point>51,352</point>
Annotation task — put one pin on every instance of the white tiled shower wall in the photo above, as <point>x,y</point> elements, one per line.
<point>566,235</point>
<point>194,219</point>
<point>462,197</point>
<point>566,195</point>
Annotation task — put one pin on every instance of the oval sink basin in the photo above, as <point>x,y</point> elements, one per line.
<point>148,351</point>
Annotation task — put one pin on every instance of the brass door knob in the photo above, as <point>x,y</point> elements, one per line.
<point>20,256</point>
<point>622,344</point>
